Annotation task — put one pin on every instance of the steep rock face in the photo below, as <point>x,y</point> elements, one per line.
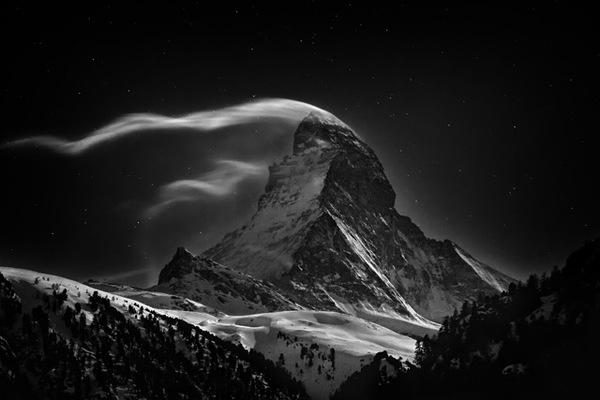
<point>289,207</point>
<point>326,234</point>
<point>218,286</point>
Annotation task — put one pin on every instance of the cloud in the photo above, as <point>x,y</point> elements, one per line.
<point>219,182</point>
<point>284,109</point>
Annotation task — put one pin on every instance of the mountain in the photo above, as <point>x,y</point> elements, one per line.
<point>326,236</point>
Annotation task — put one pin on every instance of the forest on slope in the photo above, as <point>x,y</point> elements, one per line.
<point>55,351</point>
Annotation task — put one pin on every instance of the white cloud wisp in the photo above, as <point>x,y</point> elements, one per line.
<point>219,182</point>
<point>284,109</point>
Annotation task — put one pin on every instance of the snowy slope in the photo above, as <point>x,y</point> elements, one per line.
<point>355,341</point>
<point>80,293</point>
<point>108,346</point>
<point>283,335</point>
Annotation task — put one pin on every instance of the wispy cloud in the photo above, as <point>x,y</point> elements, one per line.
<point>283,109</point>
<point>220,182</point>
<point>120,276</point>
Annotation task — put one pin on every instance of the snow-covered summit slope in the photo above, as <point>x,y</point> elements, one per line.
<point>326,234</point>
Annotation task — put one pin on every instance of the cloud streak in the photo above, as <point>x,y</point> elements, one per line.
<point>283,109</point>
<point>219,182</point>
<point>119,276</point>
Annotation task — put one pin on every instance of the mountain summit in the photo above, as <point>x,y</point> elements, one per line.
<point>326,235</point>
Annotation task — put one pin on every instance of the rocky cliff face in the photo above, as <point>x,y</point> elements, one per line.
<point>326,234</point>
<point>218,286</point>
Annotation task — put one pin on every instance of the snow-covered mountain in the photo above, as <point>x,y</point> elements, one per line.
<point>326,235</point>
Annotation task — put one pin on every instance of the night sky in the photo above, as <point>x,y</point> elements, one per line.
<point>485,119</point>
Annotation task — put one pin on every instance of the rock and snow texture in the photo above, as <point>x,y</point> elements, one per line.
<point>327,236</point>
<point>288,209</point>
<point>217,286</point>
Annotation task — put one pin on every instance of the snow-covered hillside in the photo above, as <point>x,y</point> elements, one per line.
<point>54,345</point>
<point>300,341</point>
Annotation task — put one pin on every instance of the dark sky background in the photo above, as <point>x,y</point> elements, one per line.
<point>484,117</point>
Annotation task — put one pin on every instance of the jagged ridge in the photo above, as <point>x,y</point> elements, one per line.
<point>218,286</point>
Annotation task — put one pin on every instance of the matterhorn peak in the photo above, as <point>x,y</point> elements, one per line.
<point>326,235</point>
<point>322,131</point>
